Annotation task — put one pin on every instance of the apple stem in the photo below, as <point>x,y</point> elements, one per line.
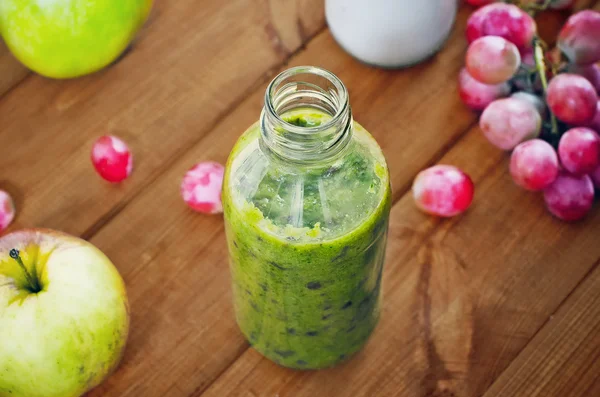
<point>33,283</point>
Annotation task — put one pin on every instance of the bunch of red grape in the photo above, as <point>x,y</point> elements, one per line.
<point>540,104</point>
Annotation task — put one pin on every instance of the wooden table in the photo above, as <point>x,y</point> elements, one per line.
<point>503,301</point>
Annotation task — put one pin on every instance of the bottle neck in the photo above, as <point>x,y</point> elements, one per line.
<point>310,89</point>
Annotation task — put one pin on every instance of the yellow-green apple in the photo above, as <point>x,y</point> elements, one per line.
<point>70,38</point>
<point>64,316</point>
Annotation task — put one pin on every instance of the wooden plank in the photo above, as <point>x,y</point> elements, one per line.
<point>196,293</point>
<point>143,108</point>
<point>161,339</point>
<point>145,254</point>
<point>462,300</point>
<point>462,297</point>
<point>202,291</point>
<point>306,16</point>
<point>563,360</point>
<point>11,71</point>
<point>183,332</point>
<point>158,258</point>
<point>190,66</point>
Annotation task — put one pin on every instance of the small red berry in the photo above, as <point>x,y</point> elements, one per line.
<point>7,210</point>
<point>579,38</point>
<point>112,158</point>
<point>534,165</point>
<point>443,190</point>
<point>572,99</point>
<point>510,121</point>
<point>492,60</point>
<point>504,20</point>
<point>535,100</point>
<point>201,187</point>
<point>477,95</point>
<point>595,175</point>
<point>579,150</point>
<point>595,123</point>
<point>479,3</point>
<point>527,57</point>
<point>590,72</point>
<point>570,197</point>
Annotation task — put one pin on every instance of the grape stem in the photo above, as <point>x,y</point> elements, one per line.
<point>34,286</point>
<point>535,8</point>
<point>540,65</point>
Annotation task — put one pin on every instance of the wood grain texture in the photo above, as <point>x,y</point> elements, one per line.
<point>218,334</point>
<point>188,68</point>
<point>563,360</point>
<point>463,297</point>
<point>186,71</point>
<point>11,71</point>
<point>166,250</point>
<point>452,322</point>
<point>194,274</point>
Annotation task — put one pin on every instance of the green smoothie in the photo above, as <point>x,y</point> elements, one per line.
<point>307,246</point>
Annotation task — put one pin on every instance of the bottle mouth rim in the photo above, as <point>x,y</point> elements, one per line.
<point>342,96</point>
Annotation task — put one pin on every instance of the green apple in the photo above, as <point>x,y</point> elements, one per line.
<point>64,316</point>
<point>70,38</point>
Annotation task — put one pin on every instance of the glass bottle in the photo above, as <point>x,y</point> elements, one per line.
<point>307,200</point>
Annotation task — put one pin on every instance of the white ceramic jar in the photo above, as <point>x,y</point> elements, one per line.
<point>391,33</point>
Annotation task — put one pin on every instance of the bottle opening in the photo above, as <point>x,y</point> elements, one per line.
<point>307,116</point>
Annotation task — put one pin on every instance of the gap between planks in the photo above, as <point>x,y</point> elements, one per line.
<point>398,194</point>
<point>107,217</point>
<point>15,84</point>
<point>564,302</point>
<point>397,197</point>
<point>441,225</point>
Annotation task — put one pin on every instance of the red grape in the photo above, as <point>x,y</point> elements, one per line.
<point>527,57</point>
<point>505,20</point>
<point>112,158</point>
<point>595,175</point>
<point>570,197</point>
<point>534,164</point>
<point>590,72</point>
<point>595,123</point>
<point>477,95</point>
<point>7,210</point>
<point>443,190</point>
<point>478,3</point>
<point>201,187</point>
<point>510,121</point>
<point>535,100</point>
<point>579,38</point>
<point>572,99</point>
<point>492,60</point>
<point>579,150</point>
